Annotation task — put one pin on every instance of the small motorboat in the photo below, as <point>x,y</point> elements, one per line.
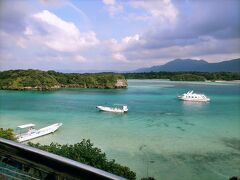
<point>118,108</point>
<point>191,96</point>
<point>33,133</point>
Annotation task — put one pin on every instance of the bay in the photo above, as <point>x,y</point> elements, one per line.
<point>160,136</point>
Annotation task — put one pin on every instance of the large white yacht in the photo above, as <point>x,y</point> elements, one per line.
<point>191,96</point>
<point>118,108</point>
<point>33,133</point>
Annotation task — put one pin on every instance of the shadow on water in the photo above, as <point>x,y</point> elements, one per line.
<point>233,143</point>
<point>188,123</point>
<point>147,160</point>
<point>185,165</point>
<point>199,164</point>
<point>180,128</point>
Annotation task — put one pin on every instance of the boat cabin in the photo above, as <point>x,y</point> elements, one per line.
<point>121,106</point>
<point>25,128</point>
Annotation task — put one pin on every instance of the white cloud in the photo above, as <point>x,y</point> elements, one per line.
<point>60,35</point>
<point>80,59</point>
<point>116,48</point>
<point>52,19</point>
<point>161,10</point>
<point>218,57</point>
<point>125,43</point>
<point>52,2</point>
<point>130,39</point>
<point>119,57</point>
<point>109,2</point>
<point>113,10</point>
<point>28,31</point>
<point>21,42</point>
<point>113,7</point>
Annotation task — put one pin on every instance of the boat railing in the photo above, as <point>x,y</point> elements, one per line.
<point>19,161</point>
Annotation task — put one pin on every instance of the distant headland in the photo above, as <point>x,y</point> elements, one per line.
<point>190,65</point>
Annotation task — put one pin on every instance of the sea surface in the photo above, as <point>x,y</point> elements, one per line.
<point>160,136</point>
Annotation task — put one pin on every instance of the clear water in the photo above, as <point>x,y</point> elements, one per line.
<point>160,136</point>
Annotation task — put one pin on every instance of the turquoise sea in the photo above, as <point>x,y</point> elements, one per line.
<point>160,136</point>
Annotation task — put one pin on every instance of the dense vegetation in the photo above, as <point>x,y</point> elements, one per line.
<point>7,134</point>
<point>47,80</point>
<point>44,80</point>
<point>99,80</point>
<point>186,76</point>
<point>86,153</point>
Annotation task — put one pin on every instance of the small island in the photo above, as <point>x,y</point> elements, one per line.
<point>52,80</point>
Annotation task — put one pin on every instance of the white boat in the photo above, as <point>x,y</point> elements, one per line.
<point>191,96</point>
<point>33,133</point>
<point>118,108</point>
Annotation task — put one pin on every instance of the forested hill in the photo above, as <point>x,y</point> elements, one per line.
<point>48,80</point>
<point>189,65</point>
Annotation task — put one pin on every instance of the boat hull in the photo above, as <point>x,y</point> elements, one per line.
<point>193,97</point>
<point>193,100</point>
<point>38,133</point>
<point>109,109</point>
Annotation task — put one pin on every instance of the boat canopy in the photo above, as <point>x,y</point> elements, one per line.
<point>26,126</point>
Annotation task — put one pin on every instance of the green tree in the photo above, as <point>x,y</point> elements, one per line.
<point>86,153</point>
<point>7,134</point>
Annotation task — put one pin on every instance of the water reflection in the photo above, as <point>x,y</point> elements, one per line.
<point>194,104</point>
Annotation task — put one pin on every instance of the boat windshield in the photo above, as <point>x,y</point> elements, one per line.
<point>26,126</point>
<point>119,105</point>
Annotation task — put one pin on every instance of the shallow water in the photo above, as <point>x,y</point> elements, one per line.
<point>159,136</point>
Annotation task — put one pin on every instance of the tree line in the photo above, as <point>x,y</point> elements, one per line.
<point>46,80</point>
<point>185,76</point>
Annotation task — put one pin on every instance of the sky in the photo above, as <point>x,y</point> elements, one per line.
<point>115,35</point>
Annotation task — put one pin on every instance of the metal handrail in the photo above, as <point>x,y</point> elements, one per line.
<point>53,163</point>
